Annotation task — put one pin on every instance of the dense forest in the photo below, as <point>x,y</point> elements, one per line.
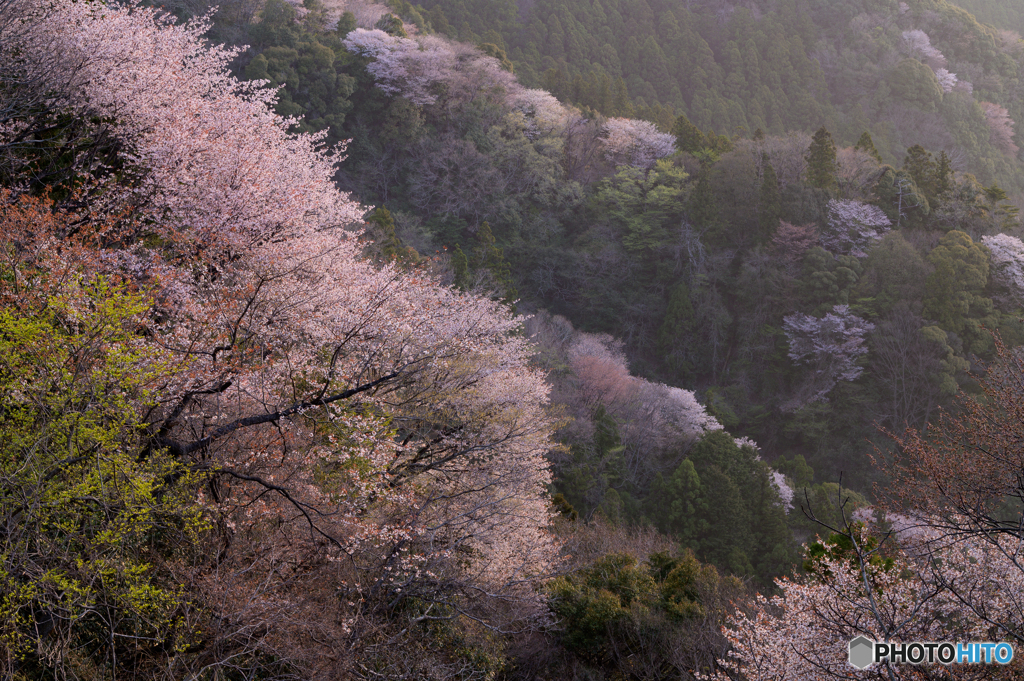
<point>1003,15</point>
<point>493,340</point>
<point>773,66</point>
<point>706,264</point>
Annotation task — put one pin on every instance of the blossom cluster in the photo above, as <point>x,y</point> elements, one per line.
<point>852,227</point>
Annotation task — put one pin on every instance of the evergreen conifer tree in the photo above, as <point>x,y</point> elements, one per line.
<point>689,138</point>
<point>821,161</point>
<point>943,174</point>
<point>703,208</point>
<point>460,268</point>
<point>769,209</point>
<point>867,145</point>
<point>923,169</point>
<point>677,329</point>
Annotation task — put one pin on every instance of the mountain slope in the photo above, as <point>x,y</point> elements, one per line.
<point>852,66</point>
<point>1003,14</point>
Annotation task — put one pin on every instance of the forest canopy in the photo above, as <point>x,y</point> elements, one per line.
<point>451,341</point>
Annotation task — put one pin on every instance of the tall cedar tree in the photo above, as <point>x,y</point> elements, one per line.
<point>689,138</point>
<point>703,207</point>
<point>769,209</point>
<point>821,161</point>
<point>923,169</point>
<point>867,145</point>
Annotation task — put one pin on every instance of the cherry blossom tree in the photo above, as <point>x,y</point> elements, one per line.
<point>917,43</point>
<point>792,241</point>
<point>947,80</point>
<point>429,70</point>
<point>859,587</point>
<point>544,114</point>
<point>1007,263</point>
<point>829,346</point>
<point>636,143</point>
<point>1000,127</point>
<point>786,492</point>
<point>853,226</point>
<point>604,379</point>
<point>358,437</point>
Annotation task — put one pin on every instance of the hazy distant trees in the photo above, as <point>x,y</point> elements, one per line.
<point>1000,126</point>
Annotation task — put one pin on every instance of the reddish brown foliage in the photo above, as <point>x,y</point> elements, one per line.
<point>790,241</point>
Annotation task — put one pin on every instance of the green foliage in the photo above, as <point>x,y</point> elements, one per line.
<point>769,206</point>
<point>900,198</point>
<point>490,258</point>
<point>644,204</point>
<point>914,83</point>
<point>703,207</point>
<point>590,481</point>
<point>679,324</point>
<point>689,138</point>
<point>999,13</point>
<point>821,162</point>
<point>956,288</point>
<point>840,546</point>
<point>828,281</point>
<point>617,606</point>
<point>563,507</point>
<point>97,522</point>
<point>380,228</point>
<point>593,599</point>
<point>894,271</point>
<point>795,469</point>
<point>346,24</point>
<point>951,364</point>
<point>923,170</point>
<point>714,501</point>
<point>392,25</point>
<point>867,145</point>
<point>309,63</point>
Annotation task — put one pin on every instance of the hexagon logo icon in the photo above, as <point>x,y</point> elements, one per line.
<point>861,652</point>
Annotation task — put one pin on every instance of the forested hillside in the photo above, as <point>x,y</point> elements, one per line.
<point>1004,14</point>
<point>408,367</point>
<point>708,264</point>
<point>852,66</point>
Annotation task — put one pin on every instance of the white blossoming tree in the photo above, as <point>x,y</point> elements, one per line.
<point>347,439</point>
<point>635,143</point>
<point>1007,263</point>
<point>829,346</point>
<point>853,226</point>
<point>858,587</point>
